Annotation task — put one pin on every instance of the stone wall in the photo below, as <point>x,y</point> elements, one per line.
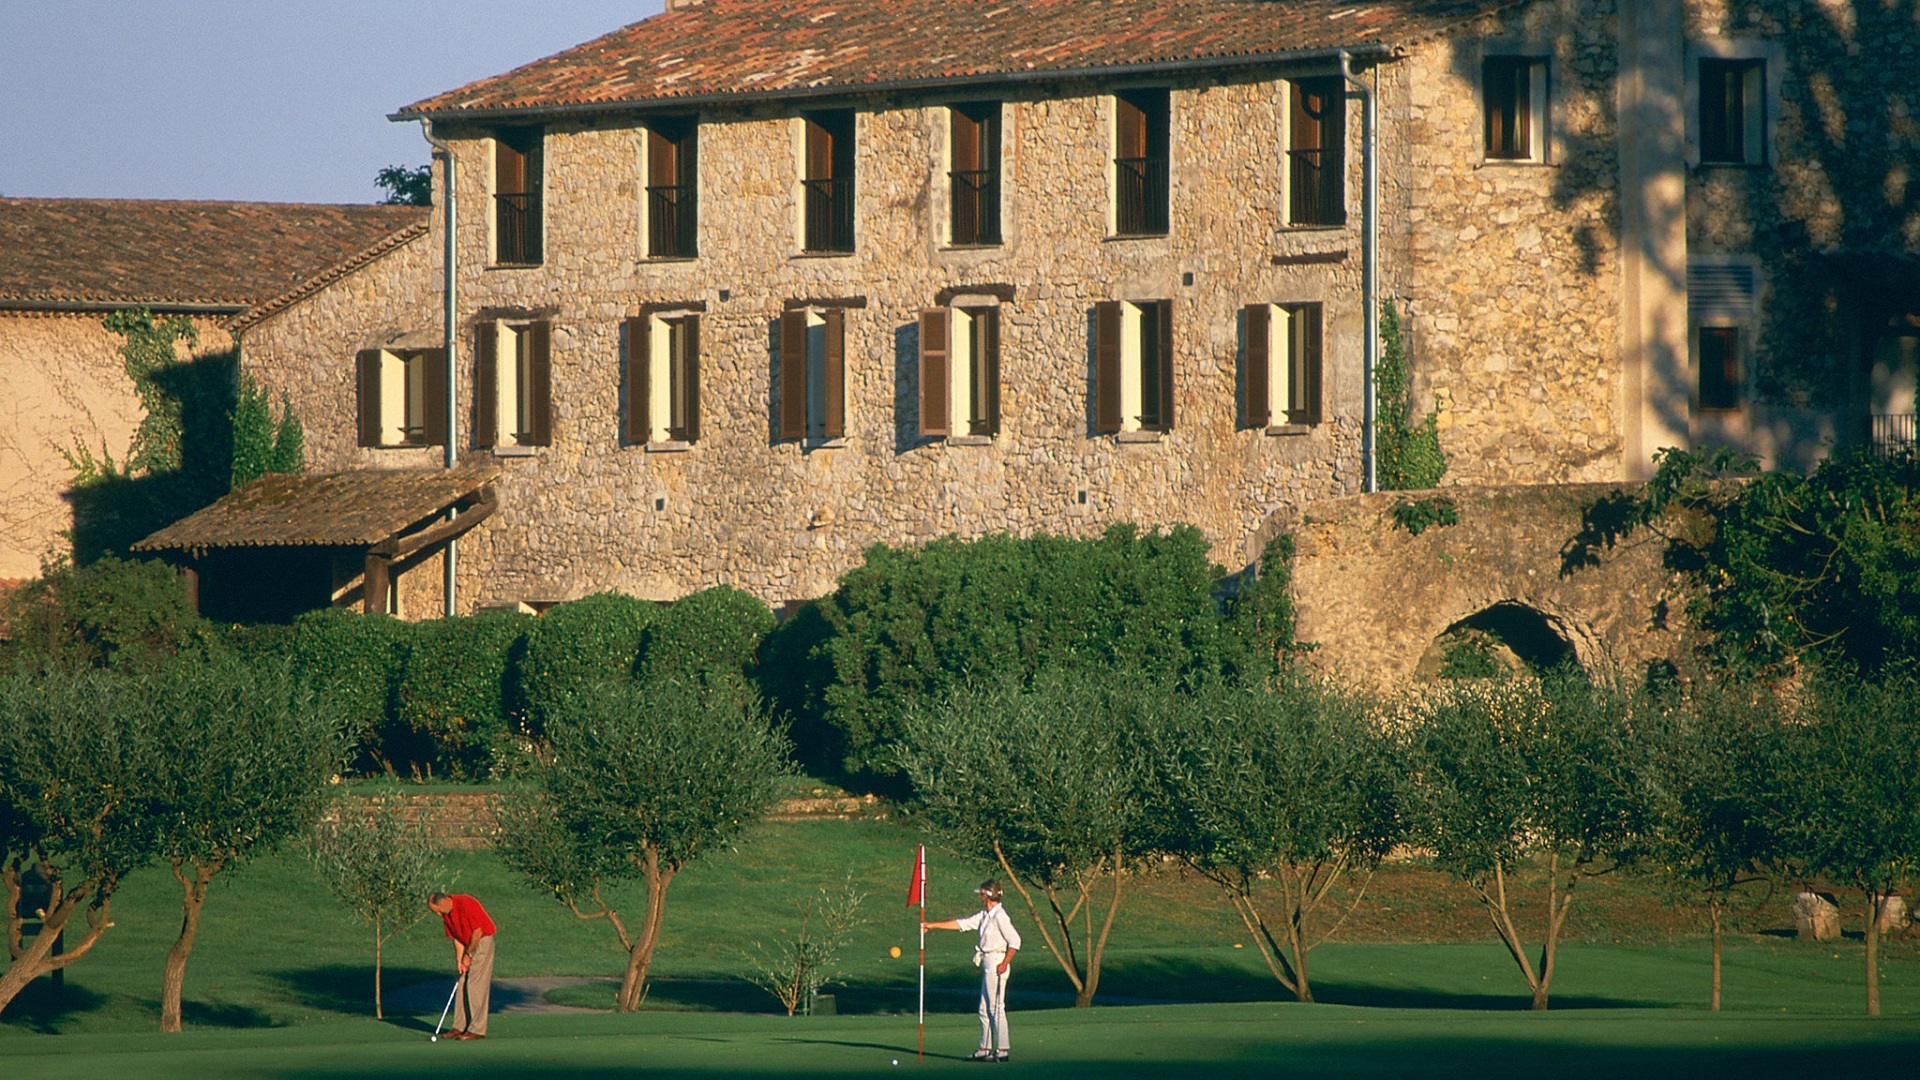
<point>65,386</point>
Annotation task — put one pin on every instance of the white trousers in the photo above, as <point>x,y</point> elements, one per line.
<point>993,1001</point>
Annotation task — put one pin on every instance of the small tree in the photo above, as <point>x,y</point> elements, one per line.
<point>1847,801</point>
<point>1048,782</point>
<point>1713,755</point>
<point>243,757</point>
<point>381,865</point>
<point>406,185</point>
<point>75,756</point>
<point>797,968</point>
<point>639,782</point>
<point>1514,771</point>
<point>1294,785</point>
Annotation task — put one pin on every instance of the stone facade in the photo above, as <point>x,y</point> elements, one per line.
<point>65,386</point>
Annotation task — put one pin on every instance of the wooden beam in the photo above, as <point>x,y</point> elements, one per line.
<point>442,530</point>
<point>374,586</point>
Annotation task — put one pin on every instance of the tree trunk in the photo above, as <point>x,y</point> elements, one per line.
<point>1873,952</point>
<point>193,898</point>
<point>34,961</point>
<point>378,941</point>
<point>640,957</point>
<point>1713,914</point>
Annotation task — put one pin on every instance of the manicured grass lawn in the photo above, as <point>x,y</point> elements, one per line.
<point>280,984</point>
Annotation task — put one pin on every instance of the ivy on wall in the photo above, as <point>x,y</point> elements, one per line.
<point>1410,457</point>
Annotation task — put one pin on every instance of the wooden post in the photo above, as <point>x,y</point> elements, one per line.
<point>373,589</point>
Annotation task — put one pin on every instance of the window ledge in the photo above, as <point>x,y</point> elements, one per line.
<point>513,451</point>
<point>969,440</point>
<point>823,255</point>
<point>1139,437</point>
<point>1289,429</point>
<point>514,266</point>
<point>1122,238</point>
<point>994,246</point>
<point>824,444</point>
<point>1291,227</point>
<point>1516,163</point>
<point>656,260</point>
<point>671,446</point>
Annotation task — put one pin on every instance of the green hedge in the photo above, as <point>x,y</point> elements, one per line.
<point>579,644</point>
<point>707,639</point>
<point>455,707</point>
<point>355,660</point>
<point>107,611</point>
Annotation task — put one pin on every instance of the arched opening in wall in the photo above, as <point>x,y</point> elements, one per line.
<point>1504,639</point>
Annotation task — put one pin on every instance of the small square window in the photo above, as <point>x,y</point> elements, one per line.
<point>1733,114</point>
<point>402,397</point>
<point>1514,96</point>
<point>1717,359</point>
<point>1133,366</point>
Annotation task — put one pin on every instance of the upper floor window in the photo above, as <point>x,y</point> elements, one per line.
<point>673,189</point>
<point>1723,296</point>
<point>512,384</point>
<point>1316,136</point>
<point>1283,364</point>
<point>1733,111</point>
<point>663,378</point>
<point>960,371</point>
<point>828,182</point>
<point>1514,96</point>
<point>813,374</point>
<point>517,185</point>
<point>1140,163</point>
<point>1133,366</point>
<point>974,153</point>
<point>402,397</point>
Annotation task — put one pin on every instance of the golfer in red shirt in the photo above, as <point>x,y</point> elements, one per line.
<point>472,934</point>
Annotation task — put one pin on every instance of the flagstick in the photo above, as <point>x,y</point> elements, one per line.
<point>923,954</point>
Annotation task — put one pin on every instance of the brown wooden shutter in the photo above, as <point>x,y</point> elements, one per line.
<point>1165,322</point>
<point>1107,319</point>
<point>987,323</point>
<point>936,354</point>
<point>1258,407</point>
<point>367,364</point>
<point>793,375</point>
<point>435,422</point>
<point>639,426</point>
<point>819,151</point>
<point>691,328</point>
<point>1130,129</point>
<point>1306,341</point>
<point>486,392</point>
<point>834,424</point>
<point>540,378</point>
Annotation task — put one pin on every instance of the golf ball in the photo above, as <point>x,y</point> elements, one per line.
<point>894,952</point>
<point>433,1038</point>
<point>896,1061</point>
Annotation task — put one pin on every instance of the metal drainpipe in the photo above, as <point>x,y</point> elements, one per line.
<point>450,564</point>
<point>1369,260</point>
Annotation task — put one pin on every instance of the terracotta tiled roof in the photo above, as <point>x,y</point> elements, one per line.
<point>386,245</point>
<point>164,254</point>
<point>344,509</point>
<point>786,48</point>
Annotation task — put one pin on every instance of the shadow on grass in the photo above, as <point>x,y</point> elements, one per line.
<point>348,988</point>
<point>199,1014</point>
<point>41,1008</point>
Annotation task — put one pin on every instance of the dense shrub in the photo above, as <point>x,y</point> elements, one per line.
<point>452,709</point>
<point>792,672</point>
<point>1260,611</point>
<point>354,661</point>
<point>581,643</point>
<point>104,612</point>
<point>916,622</point>
<point>708,639</point>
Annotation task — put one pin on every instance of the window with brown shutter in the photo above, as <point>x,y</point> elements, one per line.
<point>517,187</point>
<point>1140,162</point>
<point>434,399</point>
<point>1257,330</point>
<point>984,400</point>
<point>1107,331</point>
<point>833,424</point>
<point>935,353</point>
<point>1316,137</point>
<point>974,142</point>
<point>486,392</point>
<point>828,190</point>
<point>1156,370</point>
<point>685,424</point>
<point>673,189</point>
<point>367,365</point>
<point>1304,363</point>
<point>793,375</point>
<point>536,392</point>
<point>638,430</point>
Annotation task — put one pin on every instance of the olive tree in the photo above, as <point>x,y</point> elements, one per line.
<point>381,864</point>
<point>1046,780</point>
<point>1290,788</point>
<point>242,758</point>
<point>76,755</point>
<point>638,781</point>
<point>1847,796</point>
<point>1511,773</point>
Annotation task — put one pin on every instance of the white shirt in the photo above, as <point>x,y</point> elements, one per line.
<point>997,934</point>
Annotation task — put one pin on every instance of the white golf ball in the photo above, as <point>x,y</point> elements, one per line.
<point>436,1038</point>
<point>896,1061</point>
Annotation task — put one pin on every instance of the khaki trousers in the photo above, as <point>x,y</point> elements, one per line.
<point>470,1004</point>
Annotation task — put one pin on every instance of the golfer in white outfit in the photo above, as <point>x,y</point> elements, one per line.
<point>999,941</point>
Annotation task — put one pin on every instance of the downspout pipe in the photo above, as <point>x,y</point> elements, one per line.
<point>1369,263</point>
<point>450,341</point>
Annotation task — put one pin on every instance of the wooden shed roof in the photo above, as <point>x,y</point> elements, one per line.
<point>360,508</point>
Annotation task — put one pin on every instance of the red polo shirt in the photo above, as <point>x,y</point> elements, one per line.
<point>467,921</point>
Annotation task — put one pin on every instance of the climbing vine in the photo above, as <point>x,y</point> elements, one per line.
<point>1410,457</point>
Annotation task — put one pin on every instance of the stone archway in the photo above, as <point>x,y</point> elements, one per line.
<point>1507,637</point>
<point>1373,598</point>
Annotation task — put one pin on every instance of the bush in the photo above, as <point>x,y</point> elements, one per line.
<point>708,639</point>
<point>912,623</point>
<point>1260,612</point>
<point>792,671</point>
<point>453,711</point>
<point>354,661</point>
<point>578,644</point>
<point>104,612</point>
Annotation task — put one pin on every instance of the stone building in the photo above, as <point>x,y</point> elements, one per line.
<point>66,264</point>
<point>744,288</point>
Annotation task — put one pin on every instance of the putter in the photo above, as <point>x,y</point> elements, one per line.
<point>435,1037</point>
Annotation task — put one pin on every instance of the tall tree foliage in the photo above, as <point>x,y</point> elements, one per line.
<point>242,757</point>
<point>1518,772</point>
<point>382,865</point>
<point>1293,787</point>
<point>261,443</point>
<point>1047,781</point>
<point>639,782</point>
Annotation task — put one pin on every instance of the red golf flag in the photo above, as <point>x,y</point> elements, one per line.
<point>919,883</point>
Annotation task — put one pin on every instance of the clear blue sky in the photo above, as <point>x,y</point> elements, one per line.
<point>270,100</point>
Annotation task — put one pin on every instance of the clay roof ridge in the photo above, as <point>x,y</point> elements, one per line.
<point>386,245</point>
